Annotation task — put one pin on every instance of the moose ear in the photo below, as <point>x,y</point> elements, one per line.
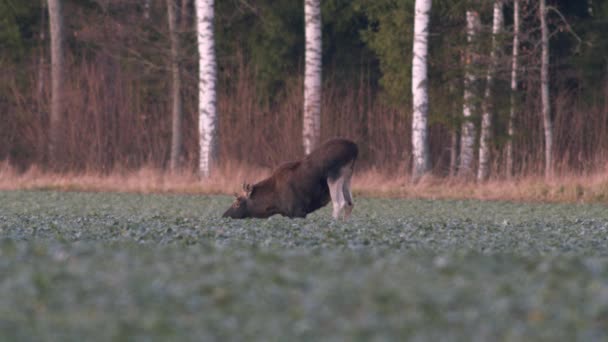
<point>247,190</point>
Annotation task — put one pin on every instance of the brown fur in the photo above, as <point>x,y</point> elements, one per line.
<point>296,188</point>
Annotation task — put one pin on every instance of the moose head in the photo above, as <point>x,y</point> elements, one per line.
<point>242,205</point>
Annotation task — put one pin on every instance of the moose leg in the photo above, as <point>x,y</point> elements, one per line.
<point>348,196</point>
<point>337,196</point>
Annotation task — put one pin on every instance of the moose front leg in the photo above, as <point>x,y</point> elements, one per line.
<point>296,213</point>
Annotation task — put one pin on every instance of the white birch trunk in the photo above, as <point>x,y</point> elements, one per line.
<point>57,78</point>
<point>544,91</point>
<point>207,120</point>
<point>420,100</point>
<point>467,141</point>
<point>485,135</point>
<point>311,130</point>
<point>514,66</point>
<point>176,101</point>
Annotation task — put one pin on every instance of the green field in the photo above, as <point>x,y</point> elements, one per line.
<point>85,267</point>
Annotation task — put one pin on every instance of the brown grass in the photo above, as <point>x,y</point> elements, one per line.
<point>144,180</point>
<point>228,180</point>
<point>568,189</point>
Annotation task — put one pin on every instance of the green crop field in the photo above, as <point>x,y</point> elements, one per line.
<point>99,266</point>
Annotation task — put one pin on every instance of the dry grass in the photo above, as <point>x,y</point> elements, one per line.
<point>572,189</point>
<point>144,180</point>
<point>565,188</point>
<point>374,183</point>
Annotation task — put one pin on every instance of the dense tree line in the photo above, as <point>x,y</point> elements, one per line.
<point>121,58</point>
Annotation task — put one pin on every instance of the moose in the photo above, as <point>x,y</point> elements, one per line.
<point>297,188</point>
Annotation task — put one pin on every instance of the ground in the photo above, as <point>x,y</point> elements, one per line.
<point>93,266</point>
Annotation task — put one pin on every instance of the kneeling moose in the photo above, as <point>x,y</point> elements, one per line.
<point>298,188</point>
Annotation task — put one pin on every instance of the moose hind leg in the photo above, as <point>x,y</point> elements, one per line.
<point>337,196</point>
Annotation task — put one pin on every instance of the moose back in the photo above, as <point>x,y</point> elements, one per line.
<point>300,187</point>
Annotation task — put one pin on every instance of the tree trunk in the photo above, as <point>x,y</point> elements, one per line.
<point>485,136</point>
<point>206,87</point>
<point>176,101</point>
<point>41,60</point>
<point>514,66</point>
<point>184,17</point>
<point>467,141</point>
<point>41,141</point>
<point>544,91</point>
<point>311,131</point>
<point>420,150</point>
<point>147,9</point>
<point>57,80</point>
<point>454,153</point>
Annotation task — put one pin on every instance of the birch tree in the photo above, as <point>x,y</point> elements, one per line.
<point>311,131</point>
<point>514,66</point>
<point>176,101</point>
<point>207,119</point>
<point>57,78</point>
<point>486,117</point>
<point>420,101</point>
<point>467,135</point>
<point>544,89</point>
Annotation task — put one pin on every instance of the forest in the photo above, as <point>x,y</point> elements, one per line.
<point>479,193</point>
<point>120,65</point>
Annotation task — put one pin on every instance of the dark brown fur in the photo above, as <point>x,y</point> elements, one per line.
<point>296,188</point>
